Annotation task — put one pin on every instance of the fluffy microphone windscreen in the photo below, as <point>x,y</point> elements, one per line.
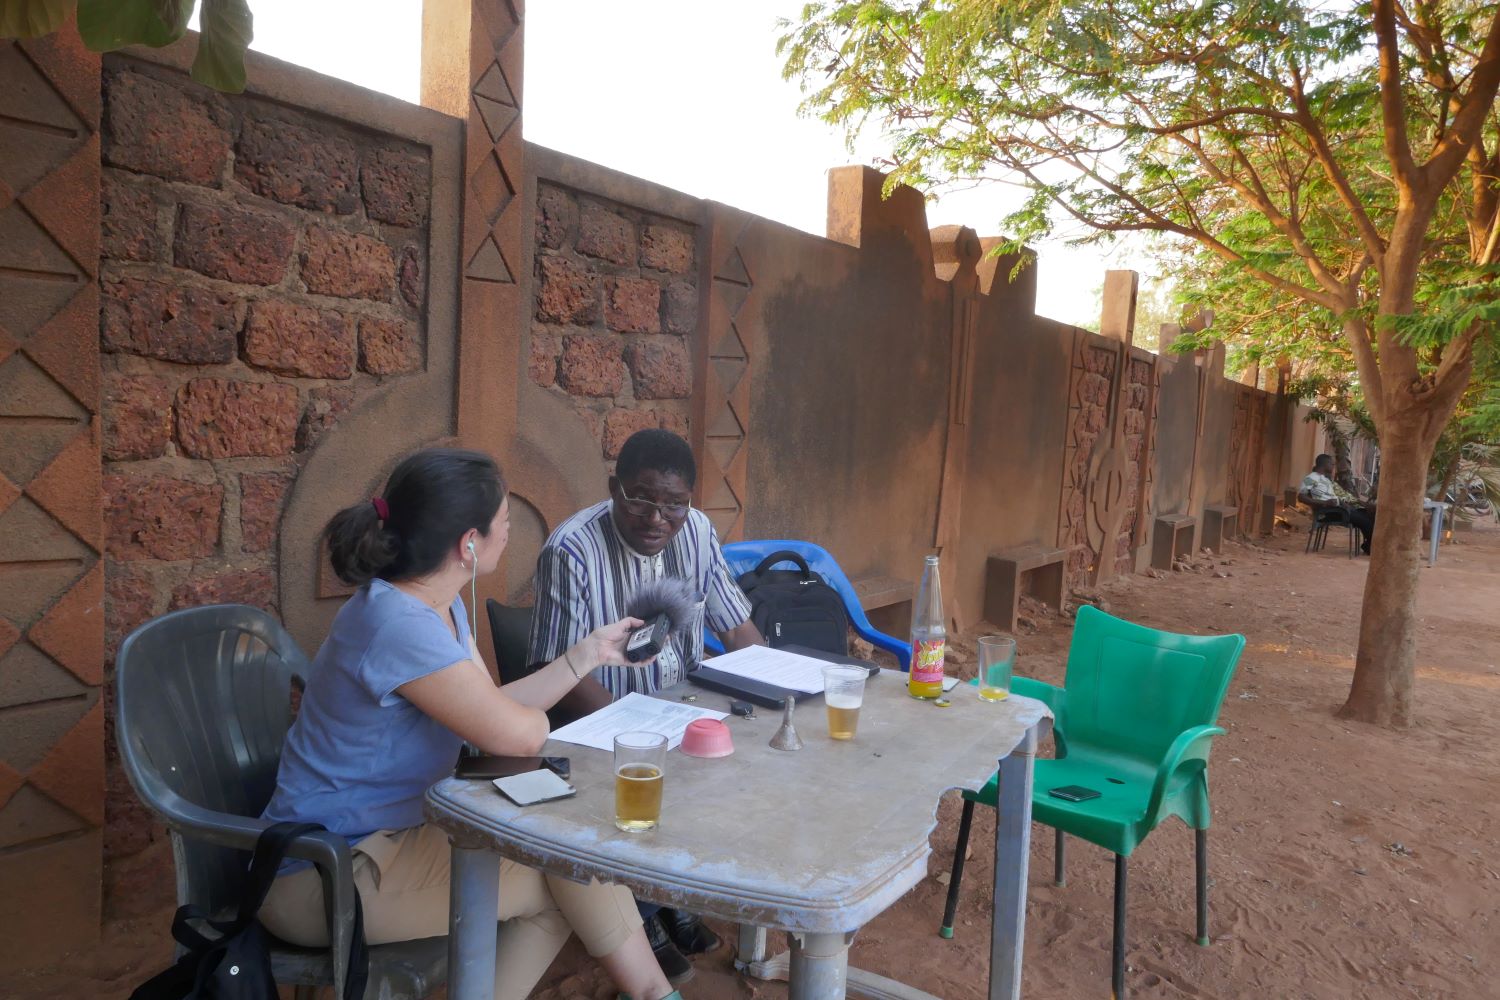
<point>668,596</point>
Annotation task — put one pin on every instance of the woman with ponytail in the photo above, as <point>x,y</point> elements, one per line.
<point>397,687</point>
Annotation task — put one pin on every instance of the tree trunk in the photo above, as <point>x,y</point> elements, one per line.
<point>1385,662</point>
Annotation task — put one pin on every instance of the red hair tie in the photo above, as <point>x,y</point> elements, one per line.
<point>382,509</point>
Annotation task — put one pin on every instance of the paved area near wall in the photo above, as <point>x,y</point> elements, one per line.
<point>1347,860</point>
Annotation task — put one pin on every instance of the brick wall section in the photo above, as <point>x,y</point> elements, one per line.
<point>616,303</point>
<point>262,269</point>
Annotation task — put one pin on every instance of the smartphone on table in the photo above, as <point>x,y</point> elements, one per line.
<point>491,766</point>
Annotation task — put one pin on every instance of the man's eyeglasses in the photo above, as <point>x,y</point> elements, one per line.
<point>673,512</point>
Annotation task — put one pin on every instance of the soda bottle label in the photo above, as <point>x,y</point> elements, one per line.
<point>927,662</point>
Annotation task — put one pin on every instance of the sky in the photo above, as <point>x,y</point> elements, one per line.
<point>685,93</point>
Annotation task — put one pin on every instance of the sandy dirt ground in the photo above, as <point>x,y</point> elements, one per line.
<point>1346,860</point>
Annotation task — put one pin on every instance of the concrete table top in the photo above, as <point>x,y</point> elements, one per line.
<point>821,840</point>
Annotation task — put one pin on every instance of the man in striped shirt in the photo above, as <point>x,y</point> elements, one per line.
<point>647,530</point>
<point>586,572</point>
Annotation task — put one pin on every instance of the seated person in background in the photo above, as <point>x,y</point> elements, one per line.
<point>588,569</point>
<point>1320,492</point>
<point>398,686</point>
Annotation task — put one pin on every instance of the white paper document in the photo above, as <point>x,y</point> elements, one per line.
<point>773,666</point>
<point>634,713</point>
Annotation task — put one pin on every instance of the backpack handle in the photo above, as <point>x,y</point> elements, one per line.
<point>785,555</point>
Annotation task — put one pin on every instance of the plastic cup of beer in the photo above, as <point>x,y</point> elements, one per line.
<point>997,658</point>
<point>843,693</point>
<point>640,762</point>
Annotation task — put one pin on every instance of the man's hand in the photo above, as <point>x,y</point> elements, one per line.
<point>742,636</point>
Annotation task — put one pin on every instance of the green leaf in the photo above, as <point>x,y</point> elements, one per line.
<point>32,18</point>
<point>227,28</point>
<point>113,24</point>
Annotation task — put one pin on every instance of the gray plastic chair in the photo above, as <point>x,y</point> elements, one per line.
<point>202,707</point>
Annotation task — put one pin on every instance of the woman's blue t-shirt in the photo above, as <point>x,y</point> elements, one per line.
<point>359,756</point>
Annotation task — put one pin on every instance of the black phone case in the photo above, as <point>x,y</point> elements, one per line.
<point>1073,793</point>
<point>486,766</point>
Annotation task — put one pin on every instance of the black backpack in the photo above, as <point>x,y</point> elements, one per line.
<point>235,964</point>
<point>796,607</point>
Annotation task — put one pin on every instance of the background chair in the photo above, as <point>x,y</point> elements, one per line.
<point>1324,518</point>
<point>202,706</point>
<point>744,556</point>
<point>511,630</point>
<point>1133,721</point>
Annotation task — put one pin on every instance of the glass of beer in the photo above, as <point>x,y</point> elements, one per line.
<point>997,657</point>
<point>640,760</point>
<point>843,693</point>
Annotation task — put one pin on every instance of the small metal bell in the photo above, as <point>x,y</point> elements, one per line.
<point>786,737</point>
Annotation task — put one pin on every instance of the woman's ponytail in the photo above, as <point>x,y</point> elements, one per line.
<point>359,545</point>
<point>430,500</point>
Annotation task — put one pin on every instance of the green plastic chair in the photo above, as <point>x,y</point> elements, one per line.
<point>1133,722</point>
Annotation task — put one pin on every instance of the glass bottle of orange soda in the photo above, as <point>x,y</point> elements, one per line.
<point>929,636</point>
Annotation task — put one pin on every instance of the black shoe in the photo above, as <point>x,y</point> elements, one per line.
<point>689,933</point>
<point>674,964</point>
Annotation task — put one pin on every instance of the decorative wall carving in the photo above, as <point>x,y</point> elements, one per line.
<point>1247,447</point>
<point>1105,478</point>
<point>721,432</point>
<point>51,531</point>
<point>1094,473</point>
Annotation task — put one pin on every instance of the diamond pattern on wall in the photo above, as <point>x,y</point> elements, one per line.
<point>498,118</point>
<point>51,578</point>
<point>38,129</point>
<point>37,277</point>
<point>492,187</point>
<point>30,815</point>
<point>489,264</point>
<point>726,389</point>
<point>491,220</point>
<point>28,675</point>
<point>493,87</point>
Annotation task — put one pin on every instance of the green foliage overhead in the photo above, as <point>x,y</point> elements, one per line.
<point>32,18</point>
<point>1325,172</point>
<point>105,25</point>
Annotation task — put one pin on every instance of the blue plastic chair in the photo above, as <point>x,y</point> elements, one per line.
<point>745,556</point>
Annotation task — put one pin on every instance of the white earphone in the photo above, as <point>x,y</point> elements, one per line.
<point>473,588</point>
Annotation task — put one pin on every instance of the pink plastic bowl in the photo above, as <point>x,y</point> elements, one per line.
<point>707,738</point>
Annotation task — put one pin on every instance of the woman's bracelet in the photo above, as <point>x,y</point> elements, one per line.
<point>568,659</point>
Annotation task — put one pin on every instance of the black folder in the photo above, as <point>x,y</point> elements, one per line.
<point>761,693</point>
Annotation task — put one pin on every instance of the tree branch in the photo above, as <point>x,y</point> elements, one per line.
<point>1392,102</point>
<point>1357,332</point>
<point>1371,237</point>
<point>1468,122</point>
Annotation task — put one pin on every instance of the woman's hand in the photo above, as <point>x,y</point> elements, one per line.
<point>606,646</point>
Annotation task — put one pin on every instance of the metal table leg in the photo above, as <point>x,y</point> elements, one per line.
<point>1012,853</point>
<point>820,966</point>
<point>751,946</point>
<point>1437,533</point>
<point>473,916</point>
